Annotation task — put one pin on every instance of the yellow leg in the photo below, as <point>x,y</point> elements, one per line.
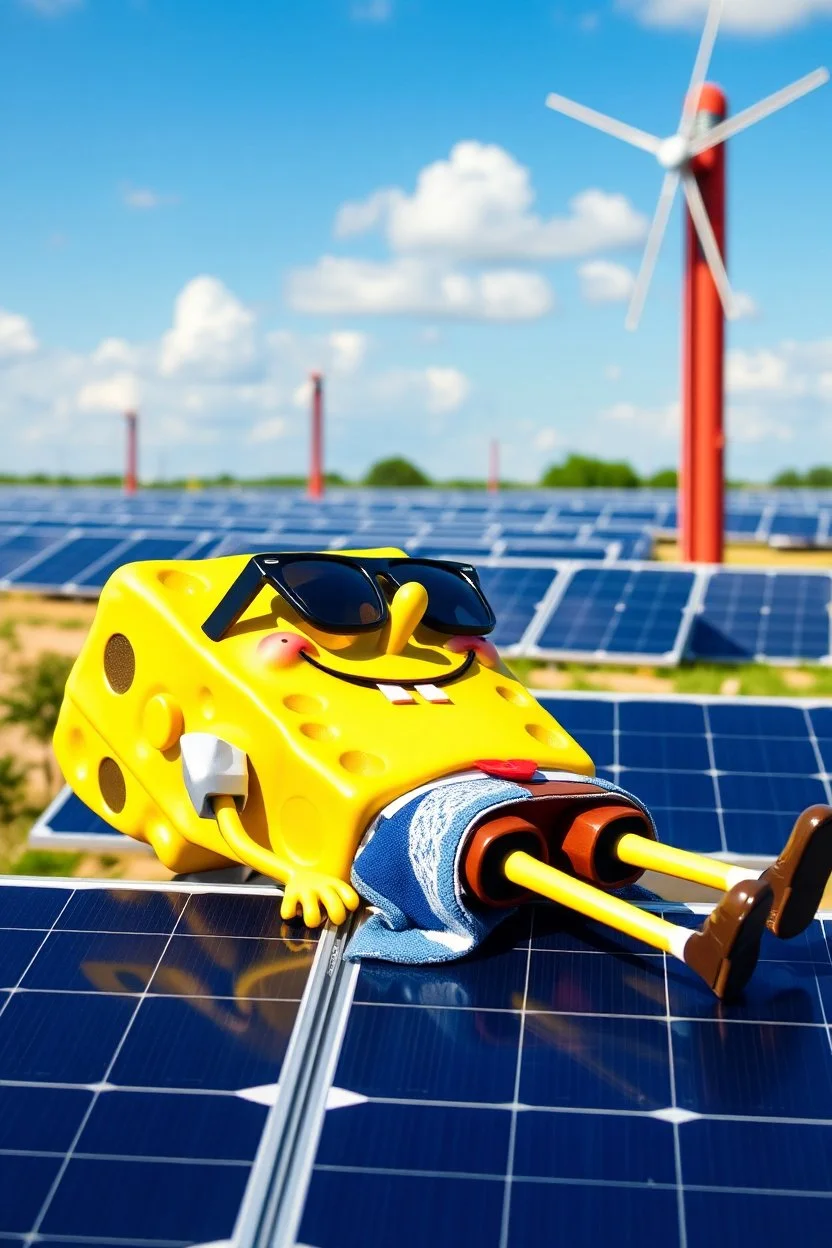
<point>540,878</point>
<point>638,851</point>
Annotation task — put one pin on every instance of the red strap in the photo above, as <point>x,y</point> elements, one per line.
<point>508,768</point>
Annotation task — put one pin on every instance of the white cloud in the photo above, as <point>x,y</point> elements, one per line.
<point>212,331</point>
<point>348,350</point>
<point>143,199</point>
<point>751,425</point>
<point>407,286</point>
<point>603,281</point>
<point>547,440</point>
<point>269,430</point>
<point>753,17</point>
<point>119,393</point>
<point>371,10</point>
<point>655,422</point>
<point>16,336</point>
<point>746,307</point>
<point>477,205</point>
<point>447,389</point>
<point>434,390</point>
<point>51,8</point>
<point>115,351</point>
<point>750,372</point>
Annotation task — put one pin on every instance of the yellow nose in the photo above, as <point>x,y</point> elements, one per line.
<point>407,608</point>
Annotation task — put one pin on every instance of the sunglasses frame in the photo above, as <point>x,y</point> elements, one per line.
<point>265,569</point>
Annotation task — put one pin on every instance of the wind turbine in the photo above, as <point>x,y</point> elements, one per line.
<point>694,158</point>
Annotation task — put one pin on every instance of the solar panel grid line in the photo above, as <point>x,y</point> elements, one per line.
<point>71,587</point>
<point>512,1137</point>
<point>177,1202</point>
<point>671,1107</point>
<point>60,542</point>
<point>575,607</point>
<point>96,1094</point>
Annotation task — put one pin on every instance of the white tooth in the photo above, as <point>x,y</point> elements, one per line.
<point>396,695</point>
<point>431,694</point>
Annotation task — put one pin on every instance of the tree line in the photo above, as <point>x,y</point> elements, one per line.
<point>574,472</point>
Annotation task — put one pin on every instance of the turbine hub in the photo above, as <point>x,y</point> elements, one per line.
<point>673,152</point>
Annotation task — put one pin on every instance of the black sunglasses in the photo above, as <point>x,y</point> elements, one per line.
<point>339,594</point>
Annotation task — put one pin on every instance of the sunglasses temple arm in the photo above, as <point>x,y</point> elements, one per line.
<point>238,598</point>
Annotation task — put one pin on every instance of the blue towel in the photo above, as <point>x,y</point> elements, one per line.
<point>407,869</point>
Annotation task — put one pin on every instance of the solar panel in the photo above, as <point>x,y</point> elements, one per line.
<point>142,1034</point>
<point>70,560</point>
<point>142,548</point>
<point>17,551</point>
<point>617,614</point>
<point>516,594</point>
<point>775,616</point>
<point>720,775</point>
<point>557,1089</point>
<point>67,825</point>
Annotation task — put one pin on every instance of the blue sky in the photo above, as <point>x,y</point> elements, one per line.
<point>201,201</point>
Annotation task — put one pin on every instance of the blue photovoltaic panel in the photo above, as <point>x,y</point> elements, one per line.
<point>132,1024</point>
<point>795,526</point>
<point>19,550</point>
<point>69,825</point>
<point>65,564</point>
<point>143,548</point>
<point>749,615</point>
<point>719,775</point>
<point>611,612</point>
<point>555,548</point>
<point>515,594</point>
<point>562,1088</point>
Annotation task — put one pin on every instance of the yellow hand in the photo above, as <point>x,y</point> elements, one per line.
<point>311,889</point>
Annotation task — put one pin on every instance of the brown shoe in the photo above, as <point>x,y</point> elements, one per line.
<point>725,949</point>
<point>799,876</point>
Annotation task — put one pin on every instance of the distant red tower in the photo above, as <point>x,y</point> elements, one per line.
<point>131,471</point>
<point>494,466</point>
<point>316,456</point>
<point>701,479</point>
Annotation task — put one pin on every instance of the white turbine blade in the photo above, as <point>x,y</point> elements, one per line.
<point>701,66</point>
<point>600,121</point>
<point>652,248</point>
<point>707,239</point>
<point>749,116</point>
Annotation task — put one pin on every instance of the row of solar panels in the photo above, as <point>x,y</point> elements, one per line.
<point>773,523</point>
<point>720,775</point>
<point>78,561</point>
<point>157,1053</point>
<point>620,613</point>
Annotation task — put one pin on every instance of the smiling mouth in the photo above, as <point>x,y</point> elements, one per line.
<point>368,682</point>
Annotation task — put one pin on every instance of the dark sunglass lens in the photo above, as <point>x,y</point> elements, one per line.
<point>333,595</point>
<point>453,604</point>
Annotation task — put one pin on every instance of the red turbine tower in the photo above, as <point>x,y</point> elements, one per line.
<point>694,158</point>
<point>315,487</point>
<point>131,468</point>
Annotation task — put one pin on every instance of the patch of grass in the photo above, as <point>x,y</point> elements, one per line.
<point>44,862</point>
<point>8,634</point>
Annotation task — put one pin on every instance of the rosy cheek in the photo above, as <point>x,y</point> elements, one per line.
<point>283,649</point>
<point>485,651</point>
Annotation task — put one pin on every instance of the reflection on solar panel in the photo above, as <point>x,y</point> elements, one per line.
<point>774,616</point>
<point>515,593</point>
<point>559,1090</point>
<point>619,613</point>
<point>142,1035</point>
<point>720,775</point>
